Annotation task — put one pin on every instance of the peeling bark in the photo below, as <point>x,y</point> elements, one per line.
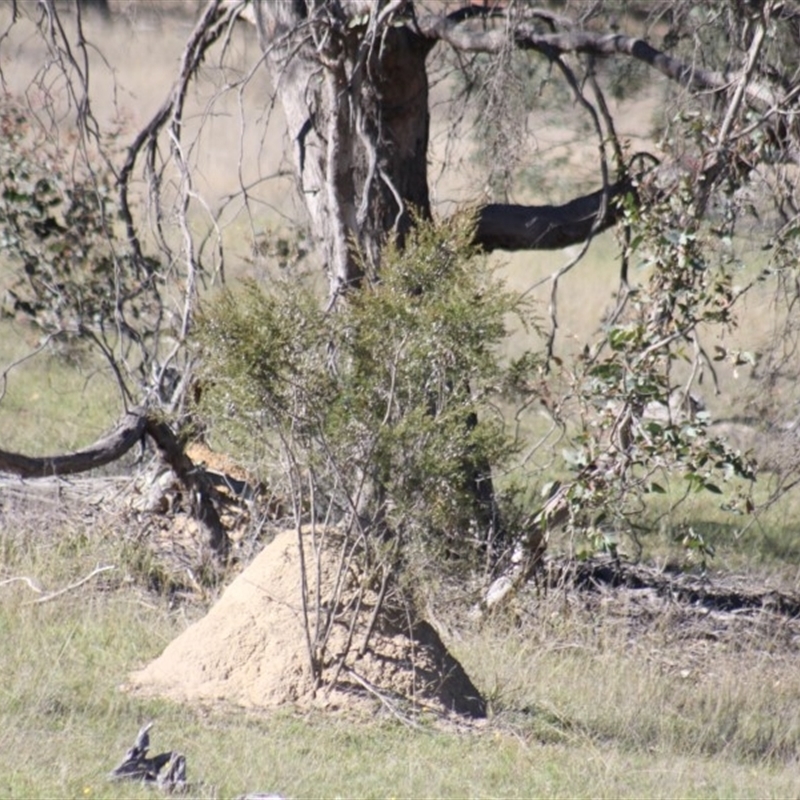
<point>356,104</point>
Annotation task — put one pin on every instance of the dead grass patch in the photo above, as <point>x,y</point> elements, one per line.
<point>592,693</point>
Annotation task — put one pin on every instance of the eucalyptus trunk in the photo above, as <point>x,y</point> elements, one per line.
<point>356,107</point>
<point>354,91</point>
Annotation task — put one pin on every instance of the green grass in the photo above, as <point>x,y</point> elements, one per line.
<point>51,403</point>
<point>763,544</point>
<point>579,708</point>
<point>583,706</point>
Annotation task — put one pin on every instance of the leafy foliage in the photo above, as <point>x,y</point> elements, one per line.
<point>76,281</point>
<point>384,410</point>
<point>641,428</point>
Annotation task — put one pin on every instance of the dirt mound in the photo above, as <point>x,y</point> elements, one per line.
<point>252,648</point>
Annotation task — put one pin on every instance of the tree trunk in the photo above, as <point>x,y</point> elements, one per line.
<point>359,127</point>
<point>98,7</point>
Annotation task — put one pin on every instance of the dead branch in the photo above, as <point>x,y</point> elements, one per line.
<point>77,584</point>
<point>138,766</point>
<point>385,701</point>
<point>211,26</point>
<point>450,29</point>
<point>194,479</point>
<point>105,450</point>
<point>135,425</point>
<point>699,591</point>
<point>32,584</point>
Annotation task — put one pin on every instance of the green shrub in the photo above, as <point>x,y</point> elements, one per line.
<point>382,413</point>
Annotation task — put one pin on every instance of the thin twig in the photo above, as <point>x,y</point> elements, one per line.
<point>387,572</point>
<point>601,211</point>
<point>59,592</point>
<point>25,579</point>
<point>387,704</point>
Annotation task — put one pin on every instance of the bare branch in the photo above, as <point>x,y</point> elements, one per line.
<point>107,449</point>
<point>134,426</point>
<point>503,226</point>
<point>76,585</point>
<point>718,159</point>
<point>34,585</point>
<point>554,45</point>
<point>195,480</point>
<point>211,26</point>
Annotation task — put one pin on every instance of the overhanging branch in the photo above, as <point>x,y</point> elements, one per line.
<point>525,36</point>
<point>516,227</point>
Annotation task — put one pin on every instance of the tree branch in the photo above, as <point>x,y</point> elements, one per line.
<point>196,481</point>
<point>209,28</point>
<point>59,592</point>
<point>552,45</point>
<point>515,227</point>
<point>105,450</point>
<point>136,424</point>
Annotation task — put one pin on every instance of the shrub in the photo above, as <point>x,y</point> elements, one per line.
<point>383,413</point>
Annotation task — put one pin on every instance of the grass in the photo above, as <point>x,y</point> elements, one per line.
<point>51,403</point>
<point>580,706</point>
<point>596,693</point>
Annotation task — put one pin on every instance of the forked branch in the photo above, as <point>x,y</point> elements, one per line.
<point>135,425</point>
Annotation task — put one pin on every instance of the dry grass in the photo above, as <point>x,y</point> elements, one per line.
<point>586,700</point>
<point>665,683</point>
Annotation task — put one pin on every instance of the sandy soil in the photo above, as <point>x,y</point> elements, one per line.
<point>252,649</point>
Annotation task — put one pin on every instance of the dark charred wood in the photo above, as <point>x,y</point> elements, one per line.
<point>194,479</point>
<point>515,227</point>
<point>104,451</point>
<point>167,771</point>
<point>713,594</point>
